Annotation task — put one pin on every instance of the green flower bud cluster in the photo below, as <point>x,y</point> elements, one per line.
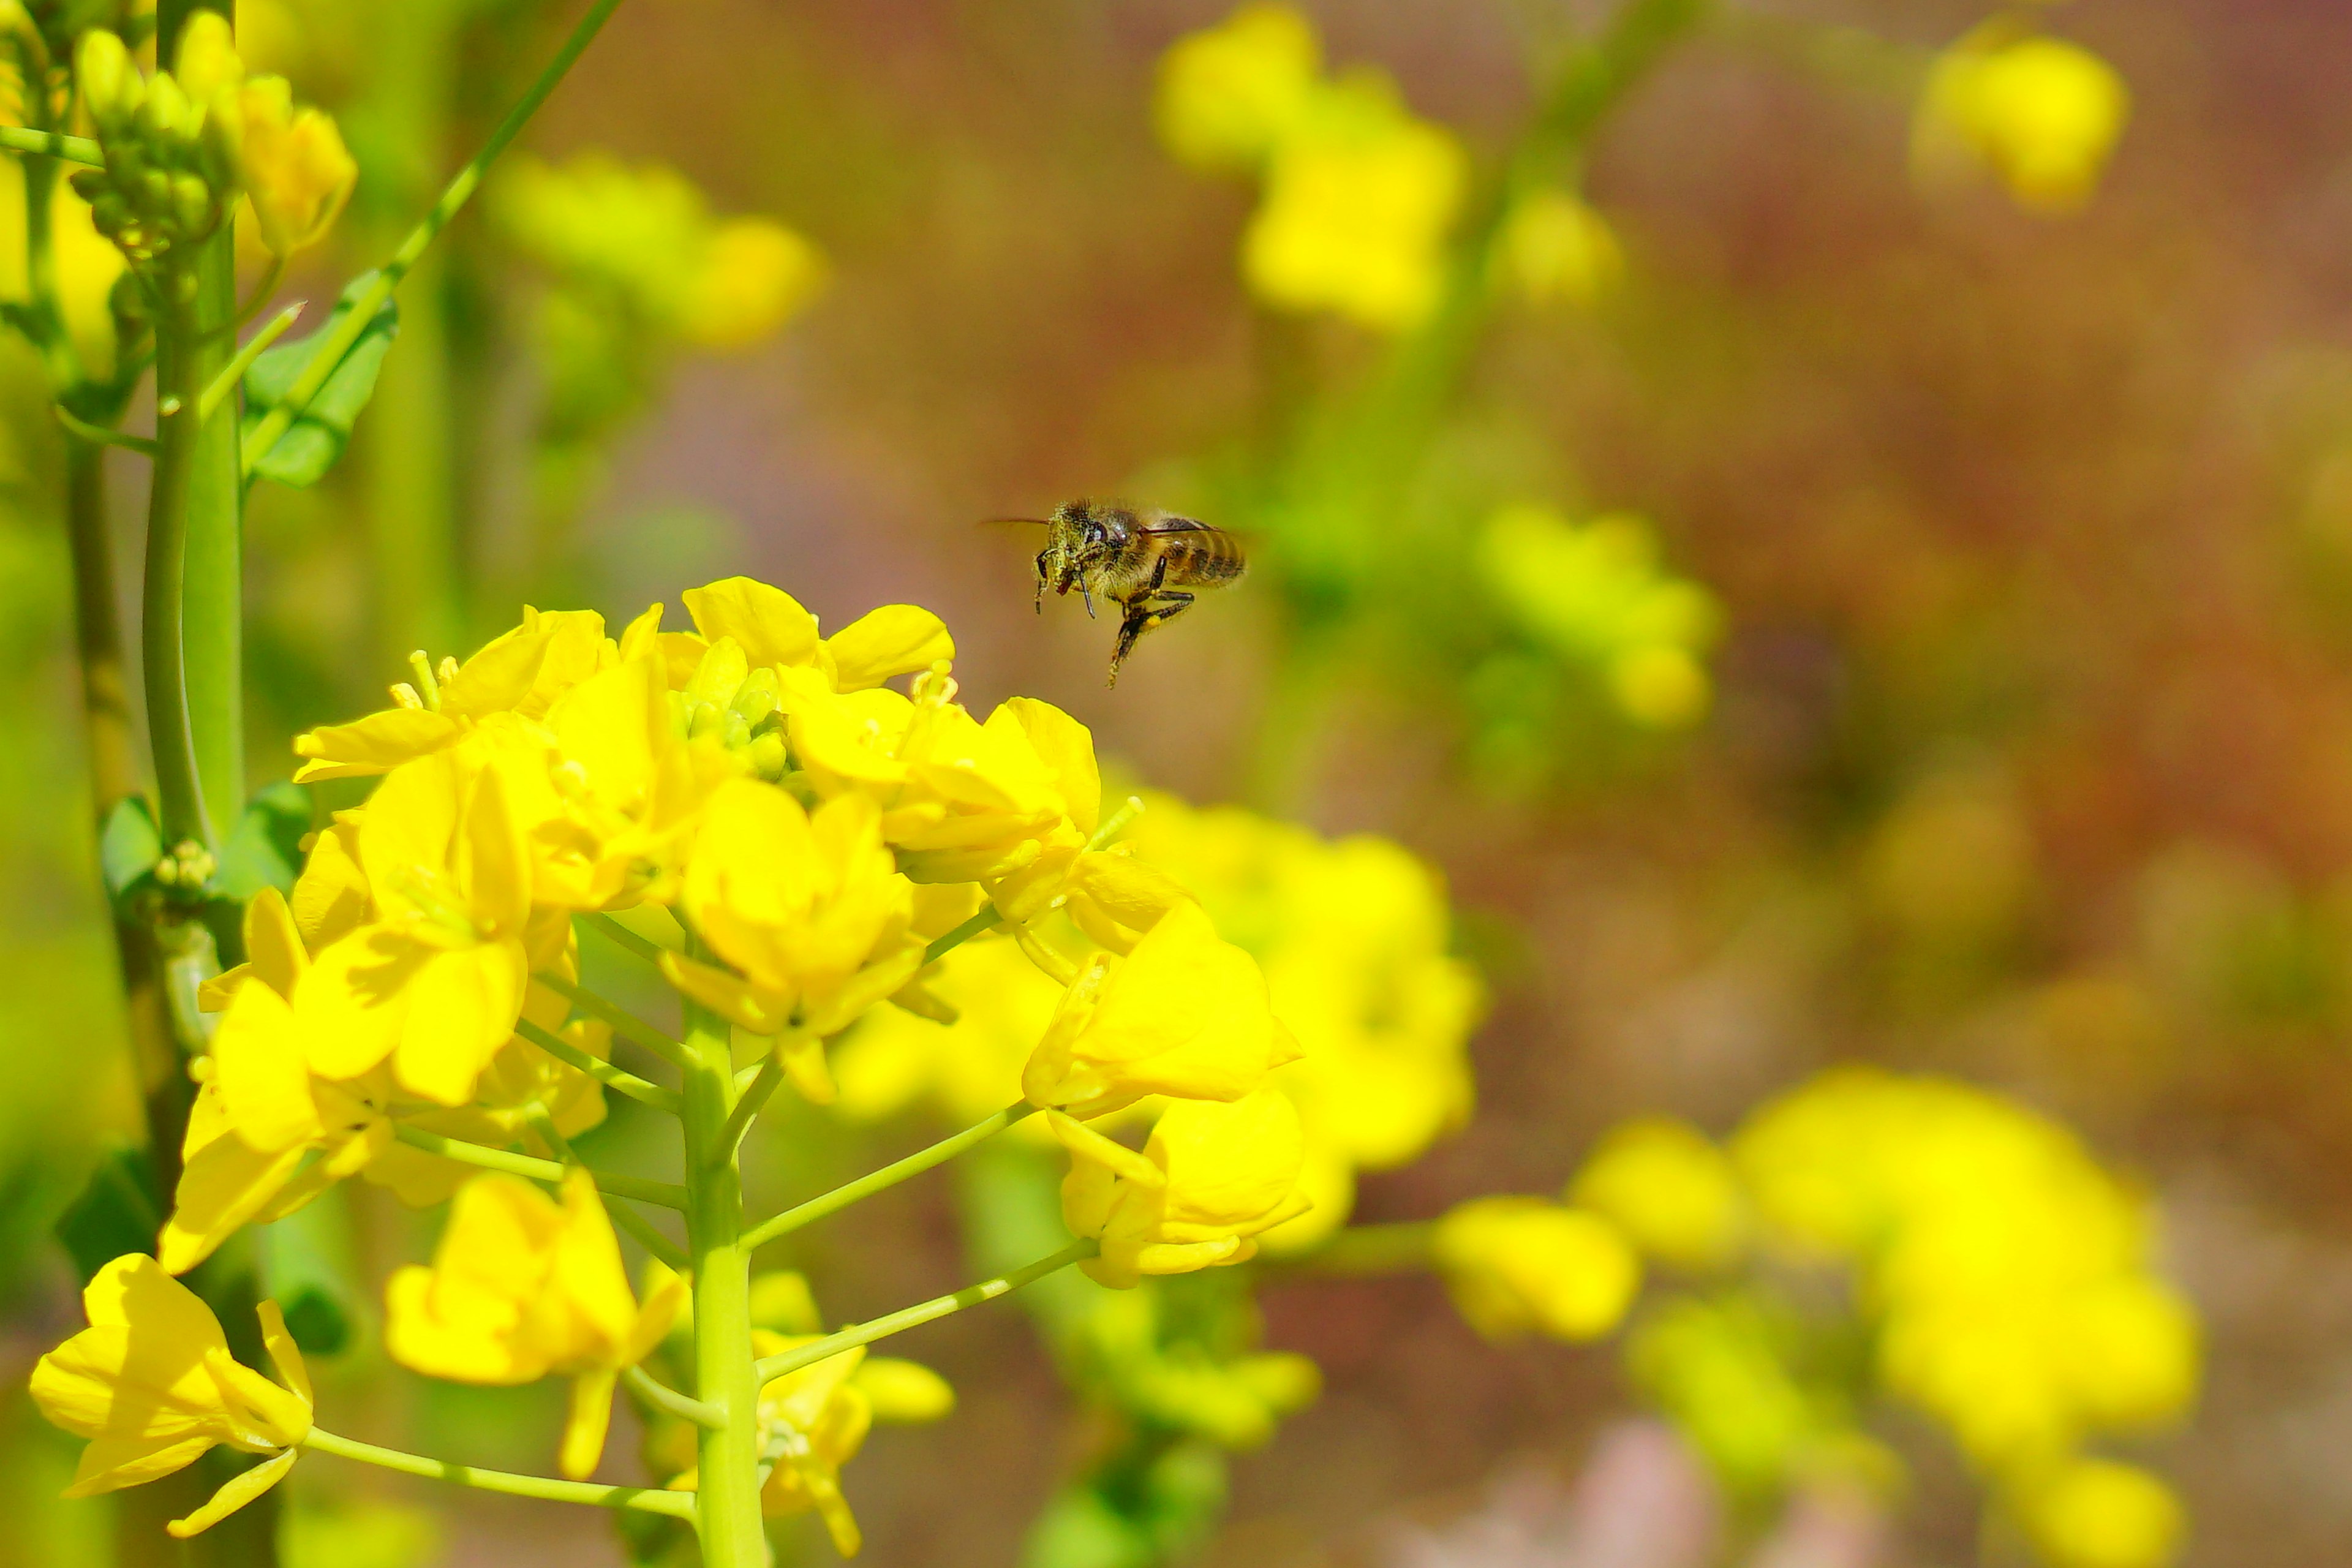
<point>738,709</point>
<point>170,172</point>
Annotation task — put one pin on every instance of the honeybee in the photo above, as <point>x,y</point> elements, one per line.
<point>1145,560</point>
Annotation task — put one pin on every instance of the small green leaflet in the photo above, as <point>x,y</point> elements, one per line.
<point>117,1212</point>
<point>317,438</point>
<point>265,849</point>
<point>128,848</point>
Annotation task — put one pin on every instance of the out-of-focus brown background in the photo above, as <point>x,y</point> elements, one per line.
<point>2032,759</point>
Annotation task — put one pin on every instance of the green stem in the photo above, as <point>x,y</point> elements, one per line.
<point>603,1071</point>
<point>645,1499</point>
<point>889,1175</point>
<point>923,1312</point>
<point>224,382</point>
<point>661,1396</point>
<point>50,144</point>
<point>183,812</point>
<point>99,435</point>
<point>1365,1249</point>
<point>728,1517</point>
<point>988,919</point>
<point>627,1218</point>
<point>624,1023</point>
<point>621,936</point>
<point>752,1097</point>
<point>339,341</point>
<point>646,1192</point>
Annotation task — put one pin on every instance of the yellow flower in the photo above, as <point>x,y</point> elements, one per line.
<point>152,1385</point>
<point>756,275</point>
<point>775,633</point>
<point>1670,1191</point>
<point>1555,247</point>
<point>519,1288</point>
<point>808,908</point>
<point>1185,1014</point>
<point>521,672</point>
<point>1211,1177</point>
<point>816,1420</point>
<point>293,164</point>
<point>1516,1265</point>
<point>1359,203</point>
<point>2095,1513</point>
<point>1229,94</point>
<point>2041,114</point>
<point>970,1066</point>
<point>434,983</point>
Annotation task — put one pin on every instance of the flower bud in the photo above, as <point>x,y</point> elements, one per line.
<point>293,165</point>
<point>167,114</point>
<point>112,88</point>
<point>207,61</point>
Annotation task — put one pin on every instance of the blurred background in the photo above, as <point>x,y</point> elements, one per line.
<point>1821,608</point>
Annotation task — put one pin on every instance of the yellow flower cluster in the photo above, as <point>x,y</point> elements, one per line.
<point>645,236</point>
<point>2005,1278</point>
<point>1360,194</point>
<point>1596,593</point>
<point>2038,113</point>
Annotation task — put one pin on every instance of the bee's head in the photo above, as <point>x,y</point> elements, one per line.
<point>1086,533</point>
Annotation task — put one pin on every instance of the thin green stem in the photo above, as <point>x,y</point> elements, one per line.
<point>728,1517</point>
<point>224,382</point>
<point>889,1176</point>
<point>750,1102</point>
<point>645,1499</point>
<point>177,427</point>
<point>988,919</point>
<point>603,1071</point>
<point>621,936</point>
<point>923,1312</point>
<point>340,338</point>
<point>661,1396</point>
<point>628,1220</point>
<point>99,435</point>
<point>646,1192</point>
<point>624,1023</point>
<point>51,144</point>
<point>1362,1250</point>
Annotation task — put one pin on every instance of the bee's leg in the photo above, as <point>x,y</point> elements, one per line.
<point>1143,612</point>
<point>1043,581</point>
<point>1087,593</point>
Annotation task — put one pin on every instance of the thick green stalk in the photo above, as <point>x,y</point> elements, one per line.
<point>179,384</point>
<point>727,1504</point>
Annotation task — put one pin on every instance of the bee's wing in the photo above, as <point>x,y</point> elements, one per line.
<point>1013,521</point>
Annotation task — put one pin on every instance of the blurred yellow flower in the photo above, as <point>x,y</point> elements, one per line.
<point>1229,94</point>
<point>86,265</point>
<point>1517,1266</point>
<point>1595,593</point>
<point>1669,1190</point>
<point>521,1288</point>
<point>1554,247</point>
<point>1359,203</point>
<point>756,275</point>
<point>152,1385</point>
<point>969,1067</point>
<point>1214,1176</point>
<point>2096,1514</point>
<point>1185,1014</point>
<point>293,164</point>
<point>2041,114</point>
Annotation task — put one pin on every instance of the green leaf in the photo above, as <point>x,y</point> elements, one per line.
<point>265,849</point>
<point>129,846</point>
<point>118,1210</point>
<point>318,436</point>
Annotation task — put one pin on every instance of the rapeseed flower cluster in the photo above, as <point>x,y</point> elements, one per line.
<point>2000,1280</point>
<point>403,1011</point>
<point>1596,595</point>
<point>1360,194</point>
<point>2039,114</point>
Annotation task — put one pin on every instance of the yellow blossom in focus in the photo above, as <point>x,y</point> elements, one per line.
<point>808,906</point>
<point>1669,1190</point>
<point>152,1385</point>
<point>1359,203</point>
<point>521,1288</point>
<point>1185,1014</point>
<point>1596,594</point>
<point>2041,114</point>
<point>522,672</point>
<point>1517,1266</point>
<point>1214,1176</point>
<point>2096,1514</point>
<point>1553,247</point>
<point>1229,94</point>
<point>435,982</point>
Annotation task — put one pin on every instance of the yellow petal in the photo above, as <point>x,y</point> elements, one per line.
<point>462,1007</point>
<point>240,1491</point>
<point>500,676</point>
<point>767,622</point>
<point>262,1074</point>
<point>111,1463</point>
<point>352,1003</point>
<point>284,1353</point>
<point>897,639</point>
<point>331,898</point>
<point>584,1424</point>
<point>375,745</point>
<point>761,1011</point>
<point>273,943</point>
<point>1067,750</point>
<point>223,1186</point>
